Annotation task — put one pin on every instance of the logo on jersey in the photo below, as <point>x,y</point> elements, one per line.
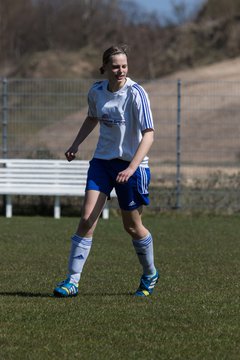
<point>106,120</point>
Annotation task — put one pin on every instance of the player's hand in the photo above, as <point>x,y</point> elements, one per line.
<point>124,175</point>
<point>71,153</point>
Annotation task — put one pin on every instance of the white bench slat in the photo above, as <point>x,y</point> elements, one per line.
<point>35,178</point>
<point>44,190</point>
<point>17,185</point>
<point>42,173</point>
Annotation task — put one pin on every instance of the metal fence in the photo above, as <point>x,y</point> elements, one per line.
<point>195,158</point>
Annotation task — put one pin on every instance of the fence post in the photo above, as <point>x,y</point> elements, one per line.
<point>178,146</point>
<point>4,118</point>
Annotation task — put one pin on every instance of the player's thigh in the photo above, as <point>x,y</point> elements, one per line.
<point>94,203</point>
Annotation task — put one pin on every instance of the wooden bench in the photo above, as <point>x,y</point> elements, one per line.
<point>44,177</point>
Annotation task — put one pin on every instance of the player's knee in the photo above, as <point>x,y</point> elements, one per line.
<point>131,229</point>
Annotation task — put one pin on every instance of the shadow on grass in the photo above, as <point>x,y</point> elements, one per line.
<point>25,294</point>
<point>47,295</point>
<point>101,294</point>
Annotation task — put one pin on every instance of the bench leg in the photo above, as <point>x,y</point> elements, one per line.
<point>8,206</point>
<point>105,212</point>
<point>57,208</point>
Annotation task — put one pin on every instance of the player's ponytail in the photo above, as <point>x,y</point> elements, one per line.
<point>101,69</point>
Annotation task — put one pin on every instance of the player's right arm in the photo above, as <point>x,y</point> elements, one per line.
<point>87,127</point>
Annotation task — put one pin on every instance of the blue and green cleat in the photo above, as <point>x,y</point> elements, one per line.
<point>147,284</point>
<point>66,289</point>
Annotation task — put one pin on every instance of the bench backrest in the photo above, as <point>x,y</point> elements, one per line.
<point>43,172</point>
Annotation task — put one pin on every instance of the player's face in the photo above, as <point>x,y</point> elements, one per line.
<point>117,69</point>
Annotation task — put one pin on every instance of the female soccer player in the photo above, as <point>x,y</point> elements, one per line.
<point>120,161</point>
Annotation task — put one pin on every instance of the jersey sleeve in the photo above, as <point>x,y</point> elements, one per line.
<point>142,108</point>
<point>92,112</point>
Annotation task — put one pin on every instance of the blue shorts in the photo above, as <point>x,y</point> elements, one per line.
<point>131,195</point>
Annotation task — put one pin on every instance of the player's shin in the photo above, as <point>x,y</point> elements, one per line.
<point>144,251</point>
<point>80,250</point>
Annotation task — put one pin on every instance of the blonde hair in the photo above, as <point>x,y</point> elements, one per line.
<point>113,50</point>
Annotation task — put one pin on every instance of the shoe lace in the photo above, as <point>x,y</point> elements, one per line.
<point>144,283</point>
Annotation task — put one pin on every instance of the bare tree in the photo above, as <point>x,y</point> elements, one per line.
<point>15,20</point>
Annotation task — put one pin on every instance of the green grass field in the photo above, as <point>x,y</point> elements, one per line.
<point>193,313</point>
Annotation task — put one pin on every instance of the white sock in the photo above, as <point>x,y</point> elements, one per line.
<point>144,250</point>
<point>80,250</point>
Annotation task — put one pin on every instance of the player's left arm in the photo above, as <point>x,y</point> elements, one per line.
<point>142,150</point>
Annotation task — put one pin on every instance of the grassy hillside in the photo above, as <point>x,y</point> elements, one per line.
<point>156,51</point>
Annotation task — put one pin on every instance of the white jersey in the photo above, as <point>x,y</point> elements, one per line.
<point>123,116</point>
